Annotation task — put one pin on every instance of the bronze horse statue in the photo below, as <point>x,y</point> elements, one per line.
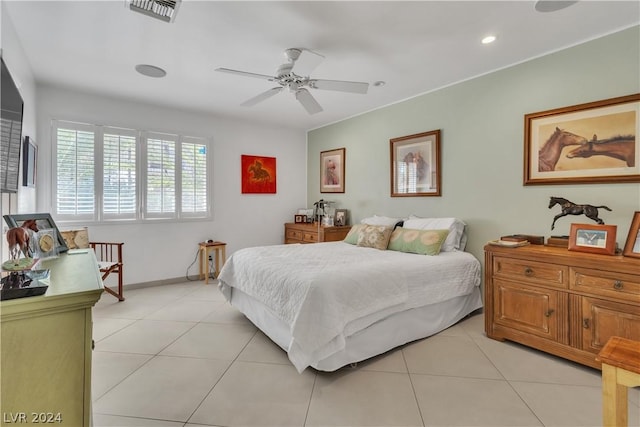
<point>570,208</point>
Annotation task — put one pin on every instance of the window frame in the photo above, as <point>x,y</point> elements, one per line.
<point>141,186</point>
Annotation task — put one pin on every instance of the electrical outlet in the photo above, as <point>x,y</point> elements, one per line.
<point>210,258</point>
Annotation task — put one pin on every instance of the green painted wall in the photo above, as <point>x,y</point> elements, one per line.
<point>482,124</point>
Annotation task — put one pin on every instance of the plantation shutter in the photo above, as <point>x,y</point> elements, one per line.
<point>194,177</point>
<point>75,183</point>
<point>119,174</point>
<point>161,176</point>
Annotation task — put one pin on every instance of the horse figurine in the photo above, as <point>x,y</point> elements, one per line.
<point>570,208</point>
<point>18,239</point>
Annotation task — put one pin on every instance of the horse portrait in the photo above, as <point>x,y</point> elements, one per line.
<point>18,239</point>
<point>258,174</point>
<point>550,152</point>
<point>570,208</point>
<point>622,147</point>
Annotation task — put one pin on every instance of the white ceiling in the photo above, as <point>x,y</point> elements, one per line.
<point>415,47</point>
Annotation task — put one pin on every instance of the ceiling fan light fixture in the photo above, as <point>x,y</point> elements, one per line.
<point>552,5</point>
<point>150,70</point>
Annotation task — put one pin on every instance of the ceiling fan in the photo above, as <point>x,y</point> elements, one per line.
<point>304,61</point>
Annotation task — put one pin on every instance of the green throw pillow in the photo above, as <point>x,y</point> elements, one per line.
<point>424,242</point>
<point>352,236</point>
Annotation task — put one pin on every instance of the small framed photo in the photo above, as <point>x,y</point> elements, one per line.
<point>415,165</point>
<point>340,218</point>
<point>299,219</point>
<point>597,239</point>
<point>632,246</point>
<point>332,171</point>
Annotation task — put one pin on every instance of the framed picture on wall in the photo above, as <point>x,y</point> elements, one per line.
<point>415,165</point>
<point>29,162</point>
<point>632,246</point>
<point>332,171</point>
<point>597,239</point>
<point>586,143</point>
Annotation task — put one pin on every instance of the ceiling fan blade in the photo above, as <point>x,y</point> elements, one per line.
<point>339,85</point>
<point>308,101</point>
<point>307,62</point>
<point>246,74</point>
<point>264,95</point>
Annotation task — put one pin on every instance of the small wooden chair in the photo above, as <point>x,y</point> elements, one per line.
<point>109,256</point>
<point>620,359</point>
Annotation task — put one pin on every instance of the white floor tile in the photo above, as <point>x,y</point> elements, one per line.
<point>144,336</point>
<point>212,341</point>
<point>165,388</point>
<point>111,368</point>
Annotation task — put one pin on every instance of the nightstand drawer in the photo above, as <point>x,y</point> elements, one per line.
<point>611,284</point>
<point>531,272</point>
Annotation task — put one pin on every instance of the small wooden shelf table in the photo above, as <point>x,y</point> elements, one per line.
<point>220,253</point>
<point>620,359</point>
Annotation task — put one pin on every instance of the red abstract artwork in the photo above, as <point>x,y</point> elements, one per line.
<point>258,174</point>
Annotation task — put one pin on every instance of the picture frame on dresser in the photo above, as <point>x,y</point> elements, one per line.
<point>632,245</point>
<point>340,217</point>
<point>593,238</point>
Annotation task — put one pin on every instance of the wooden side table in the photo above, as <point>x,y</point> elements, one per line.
<point>620,370</point>
<point>220,253</point>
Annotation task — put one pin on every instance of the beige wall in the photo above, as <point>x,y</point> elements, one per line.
<point>482,123</point>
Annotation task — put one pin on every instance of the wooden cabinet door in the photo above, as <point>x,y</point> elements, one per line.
<point>603,319</point>
<point>526,308</point>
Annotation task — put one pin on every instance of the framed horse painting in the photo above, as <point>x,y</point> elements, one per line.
<point>586,143</point>
<point>415,165</point>
<point>258,174</point>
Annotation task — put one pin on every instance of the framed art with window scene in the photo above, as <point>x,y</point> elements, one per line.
<point>597,239</point>
<point>415,165</point>
<point>632,245</point>
<point>587,143</point>
<point>332,171</point>
<point>43,221</point>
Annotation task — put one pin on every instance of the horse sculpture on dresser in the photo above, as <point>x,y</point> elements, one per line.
<point>570,208</point>
<point>18,239</point>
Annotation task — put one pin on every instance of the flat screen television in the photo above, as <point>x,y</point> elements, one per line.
<point>11,132</point>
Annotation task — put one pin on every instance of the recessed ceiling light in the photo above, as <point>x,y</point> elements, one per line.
<point>552,5</point>
<point>379,83</point>
<point>488,39</point>
<point>150,70</point>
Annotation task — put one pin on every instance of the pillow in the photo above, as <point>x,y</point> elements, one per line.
<point>381,220</point>
<point>374,236</point>
<point>424,242</point>
<point>456,240</point>
<point>352,235</point>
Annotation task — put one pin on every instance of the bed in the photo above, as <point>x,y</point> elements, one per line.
<point>337,303</point>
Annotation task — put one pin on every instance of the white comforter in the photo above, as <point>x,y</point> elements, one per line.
<point>328,291</point>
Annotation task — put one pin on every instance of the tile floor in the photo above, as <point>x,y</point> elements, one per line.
<point>179,355</point>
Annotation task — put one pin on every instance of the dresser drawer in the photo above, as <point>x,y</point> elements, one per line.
<point>605,283</point>
<point>293,234</point>
<point>531,272</point>
<point>309,237</point>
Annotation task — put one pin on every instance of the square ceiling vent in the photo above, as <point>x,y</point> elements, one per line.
<point>164,10</point>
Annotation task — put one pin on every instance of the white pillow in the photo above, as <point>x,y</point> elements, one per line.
<point>457,238</point>
<point>381,220</point>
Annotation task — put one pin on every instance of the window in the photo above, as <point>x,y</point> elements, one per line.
<point>106,173</point>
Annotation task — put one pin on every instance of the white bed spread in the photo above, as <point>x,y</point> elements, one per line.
<point>327,291</point>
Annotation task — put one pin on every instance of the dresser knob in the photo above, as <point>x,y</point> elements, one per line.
<point>617,284</point>
<point>528,271</point>
<point>549,312</point>
<point>585,323</point>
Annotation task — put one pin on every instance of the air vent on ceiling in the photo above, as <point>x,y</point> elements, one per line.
<point>165,10</point>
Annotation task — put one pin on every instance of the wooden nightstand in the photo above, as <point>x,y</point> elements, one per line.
<point>311,233</point>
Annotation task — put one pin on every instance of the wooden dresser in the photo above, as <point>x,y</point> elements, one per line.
<point>309,233</point>
<point>47,344</point>
<point>561,302</point>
